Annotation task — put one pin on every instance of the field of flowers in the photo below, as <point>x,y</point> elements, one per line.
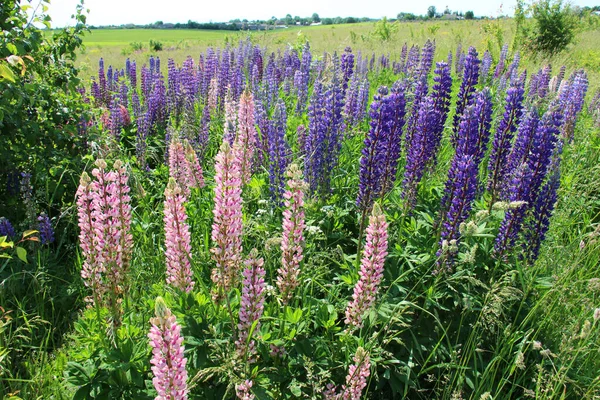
<point>272,223</point>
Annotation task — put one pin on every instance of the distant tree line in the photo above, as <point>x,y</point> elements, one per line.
<point>288,20</point>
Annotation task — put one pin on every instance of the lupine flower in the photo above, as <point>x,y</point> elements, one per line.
<point>442,89</point>
<point>501,61</point>
<point>486,64</point>
<point>518,191</point>
<point>467,88</point>
<point>227,223</point>
<point>168,361</point>
<point>347,67</point>
<point>460,194</point>
<point>371,269</point>
<point>358,373</point>
<point>382,147</point>
<point>178,249</point>
<point>229,132</point>
<point>521,147</point>
<point>503,137</point>
<point>251,306</point>
<point>279,152</point>
<point>419,150</point>
<point>426,61</point>
<point>243,390</point>
<point>292,242</point>
<point>90,240</point>
<point>537,226</point>
<point>571,100</point>
<point>45,229</point>
<point>6,228</point>
<point>245,142</point>
<point>184,166</point>
<point>27,197</point>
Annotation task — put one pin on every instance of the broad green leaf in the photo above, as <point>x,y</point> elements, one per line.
<point>22,254</point>
<point>6,73</point>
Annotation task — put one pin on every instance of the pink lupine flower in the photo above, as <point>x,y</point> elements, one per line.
<point>358,373</point>
<point>213,94</point>
<point>184,166</point>
<point>371,269</point>
<point>168,361</point>
<point>356,380</point>
<point>243,390</point>
<point>120,214</point>
<point>92,269</point>
<point>251,305</point>
<point>293,238</point>
<point>104,212</point>
<point>195,174</point>
<point>227,223</point>
<point>245,141</point>
<point>177,239</point>
<point>231,117</point>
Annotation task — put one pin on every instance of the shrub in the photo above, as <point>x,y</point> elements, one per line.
<point>155,45</point>
<point>554,27</point>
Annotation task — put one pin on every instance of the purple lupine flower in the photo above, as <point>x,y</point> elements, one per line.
<point>6,228</point>
<point>279,152</point>
<point>502,139</point>
<point>460,192</point>
<point>45,228</point>
<point>483,105</point>
<point>560,76</point>
<point>382,147</point>
<point>143,122</point>
<point>501,61</point>
<point>403,56</point>
<point>544,81</point>
<point>520,149</point>
<point>419,150</point>
<point>519,193</point>
<point>449,60</point>
<point>542,148</point>
<point>571,100</point>
<point>104,95</point>
<point>486,64</point>
<point>541,210</point>
<point>467,88</point>
<point>442,89</point>
<point>412,62</point>
<point>426,62</point>
<point>460,60</point>
<point>420,91</point>
<point>251,306</point>
<point>512,73</point>
<point>116,122</point>
<point>301,83</point>
<point>174,92</point>
<point>133,75</point>
<point>347,67</point>
<point>168,361</point>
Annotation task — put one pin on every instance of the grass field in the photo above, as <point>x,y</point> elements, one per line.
<point>114,45</point>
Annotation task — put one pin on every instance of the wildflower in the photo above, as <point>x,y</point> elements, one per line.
<point>467,88</point>
<point>371,270</point>
<point>293,234</point>
<point>227,223</point>
<point>45,229</point>
<point>251,305</point>
<point>243,390</point>
<point>6,228</point>
<point>358,373</point>
<point>168,361</point>
<point>279,152</point>
<point>177,239</point>
<point>245,141</point>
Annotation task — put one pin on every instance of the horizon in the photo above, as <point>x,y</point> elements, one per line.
<point>181,11</point>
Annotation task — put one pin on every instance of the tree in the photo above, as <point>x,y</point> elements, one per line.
<point>289,20</point>
<point>469,15</point>
<point>315,18</point>
<point>406,16</point>
<point>431,12</point>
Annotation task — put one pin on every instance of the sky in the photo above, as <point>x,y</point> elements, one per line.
<point>117,12</point>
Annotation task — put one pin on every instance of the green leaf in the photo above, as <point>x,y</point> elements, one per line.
<point>77,375</point>
<point>293,317</point>
<point>6,73</point>
<point>29,233</point>
<point>22,254</point>
<point>12,48</point>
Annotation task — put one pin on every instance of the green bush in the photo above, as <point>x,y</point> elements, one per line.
<point>553,29</point>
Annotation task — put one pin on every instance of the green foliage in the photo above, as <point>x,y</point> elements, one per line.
<point>469,15</point>
<point>554,27</point>
<point>431,11</point>
<point>384,30</point>
<point>155,45</point>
